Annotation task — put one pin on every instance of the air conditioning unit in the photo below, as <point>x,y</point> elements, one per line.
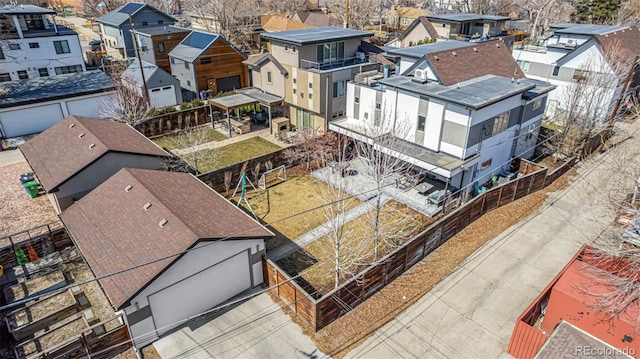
<point>360,56</point>
<point>420,74</point>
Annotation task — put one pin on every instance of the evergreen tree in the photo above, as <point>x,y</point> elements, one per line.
<point>595,11</point>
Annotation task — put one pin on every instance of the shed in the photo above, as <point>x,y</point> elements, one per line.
<point>163,89</point>
<point>33,105</point>
<point>166,247</point>
<point>78,153</point>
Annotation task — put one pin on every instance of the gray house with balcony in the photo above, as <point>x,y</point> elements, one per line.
<point>115,27</point>
<point>312,67</point>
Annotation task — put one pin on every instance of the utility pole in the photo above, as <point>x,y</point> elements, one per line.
<point>145,90</point>
<point>346,18</point>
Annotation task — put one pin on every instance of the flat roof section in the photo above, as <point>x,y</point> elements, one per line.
<point>421,50</point>
<point>316,35</point>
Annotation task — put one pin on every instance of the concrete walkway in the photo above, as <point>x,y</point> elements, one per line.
<point>471,313</point>
<point>78,25</point>
<point>9,157</point>
<point>264,133</point>
<point>317,233</point>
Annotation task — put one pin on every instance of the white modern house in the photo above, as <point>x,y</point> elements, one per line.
<point>575,52</point>
<point>178,247</point>
<point>33,45</point>
<point>451,118</point>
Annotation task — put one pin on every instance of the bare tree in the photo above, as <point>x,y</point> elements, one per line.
<point>228,176</point>
<point>290,8</point>
<point>628,13</point>
<point>188,144</point>
<point>125,105</point>
<point>255,172</point>
<point>90,8</point>
<point>268,165</point>
<point>543,13</point>
<point>360,11</point>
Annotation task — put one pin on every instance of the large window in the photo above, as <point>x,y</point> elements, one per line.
<point>43,72</point>
<point>62,47</point>
<point>524,65</point>
<point>500,123</point>
<point>580,74</point>
<point>339,88</point>
<point>14,46</point>
<point>421,123</point>
<point>34,45</point>
<point>68,69</point>
<point>305,120</point>
<point>331,52</point>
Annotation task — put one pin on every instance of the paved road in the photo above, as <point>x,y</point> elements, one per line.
<point>472,312</point>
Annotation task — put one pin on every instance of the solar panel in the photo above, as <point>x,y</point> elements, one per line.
<point>199,40</point>
<point>131,8</point>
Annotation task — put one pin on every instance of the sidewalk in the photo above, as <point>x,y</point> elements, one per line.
<point>317,233</point>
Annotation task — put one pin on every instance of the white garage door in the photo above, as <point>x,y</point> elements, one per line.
<point>200,292</point>
<point>88,107</point>
<point>163,96</point>
<point>30,120</point>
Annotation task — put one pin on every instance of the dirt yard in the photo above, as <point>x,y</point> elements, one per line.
<point>421,278</point>
<point>19,211</point>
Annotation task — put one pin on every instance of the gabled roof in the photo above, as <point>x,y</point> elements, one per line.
<point>196,44</point>
<point>316,19</point>
<point>40,89</point>
<point>411,12</point>
<point>24,10</point>
<point>115,232</point>
<point>133,74</point>
<point>60,152</point>
<point>623,44</point>
<point>281,23</point>
<point>419,51</point>
<point>423,21</point>
<point>261,59</point>
<point>316,35</point>
<point>161,30</point>
<point>466,63</point>
<point>121,14</point>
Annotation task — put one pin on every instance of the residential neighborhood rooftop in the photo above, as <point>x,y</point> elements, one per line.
<point>146,216</point>
<point>467,17</point>
<point>195,44</point>
<point>38,89</point>
<point>134,75</point>
<point>477,93</point>
<point>121,14</point>
<point>24,10</point>
<point>567,338</point>
<point>161,30</point>
<point>421,50</point>
<point>316,35</point>
<point>69,146</point>
<point>585,29</point>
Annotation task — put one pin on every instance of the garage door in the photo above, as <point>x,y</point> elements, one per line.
<point>228,83</point>
<point>88,107</point>
<point>201,291</point>
<point>30,120</point>
<point>163,96</point>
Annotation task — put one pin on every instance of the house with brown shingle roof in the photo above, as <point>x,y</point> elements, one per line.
<point>459,112</point>
<point>272,23</point>
<point>78,153</point>
<point>165,247</point>
<point>420,30</point>
<point>573,52</point>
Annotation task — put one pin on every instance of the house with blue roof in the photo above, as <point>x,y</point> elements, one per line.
<point>115,27</point>
<point>207,62</point>
<point>594,58</point>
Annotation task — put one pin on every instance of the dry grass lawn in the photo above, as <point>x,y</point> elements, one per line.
<point>178,140</point>
<point>19,211</point>
<point>237,152</point>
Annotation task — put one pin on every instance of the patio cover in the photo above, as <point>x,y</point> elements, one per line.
<point>264,98</point>
<point>233,101</point>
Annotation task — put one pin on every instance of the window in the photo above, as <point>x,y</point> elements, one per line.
<point>580,74</point>
<point>62,47</point>
<point>14,46</point>
<point>310,96</point>
<point>331,52</point>
<point>485,164</point>
<point>186,65</point>
<point>173,60</point>
<point>68,69</point>
<point>5,77</point>
<point>269,77</point>
<point>537,104</point>
<point>295,81</point>
<point>293,49</point>
<point>421,123</point>
<point>1,54</point>
<point>500,123</point>
<point>144,23</point>
<point>22,75</point>
<point>286,48</point>
<point>294,91</point>
<point>310,85</point>
<point>356,99</point>
<point>160,22</point>
<point>378,105</point>
<point>205,61</point>
<point>161,47</point>
<point>444,25</point>
<point>524,65</point>
<point>188,82</point>
<point>34,45</point>
<point>556,70</point>
<point>43,72</point>
<point>339,88</point>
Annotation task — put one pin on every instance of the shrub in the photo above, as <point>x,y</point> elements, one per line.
<point>185,105</point>
<point>197,103</point>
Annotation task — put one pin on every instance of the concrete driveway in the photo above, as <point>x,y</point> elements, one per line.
<point>9,157</point>
<point>255,329</point>
<point>472,312</point>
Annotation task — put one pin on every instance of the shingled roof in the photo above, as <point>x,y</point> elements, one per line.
<point>623,44</point>
<point>66,148</point>
<point>465,63</point>
<point>144,216</point>
<point>422,20</point>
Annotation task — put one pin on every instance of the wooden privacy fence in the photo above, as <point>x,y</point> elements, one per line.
<point>45,239</point>
<point>321,312</point>
<point>173,121</point>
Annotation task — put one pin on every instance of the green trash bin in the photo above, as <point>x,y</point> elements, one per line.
<point>32,188</point>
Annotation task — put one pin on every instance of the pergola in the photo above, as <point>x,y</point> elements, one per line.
<point>246,97</point>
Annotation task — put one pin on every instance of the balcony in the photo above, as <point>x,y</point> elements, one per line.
<point>338,64</point>
<point>531,48</point>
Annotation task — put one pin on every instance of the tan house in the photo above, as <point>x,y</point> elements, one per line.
<point>419,32</point>
<point>271,23</point>
<point>401,17</point>
<point>77,154</point>
<point>315,65</point>
<point>157,42</point>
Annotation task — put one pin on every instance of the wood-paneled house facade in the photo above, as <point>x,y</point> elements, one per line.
<point>156,43</point>
<point>204,61</point>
